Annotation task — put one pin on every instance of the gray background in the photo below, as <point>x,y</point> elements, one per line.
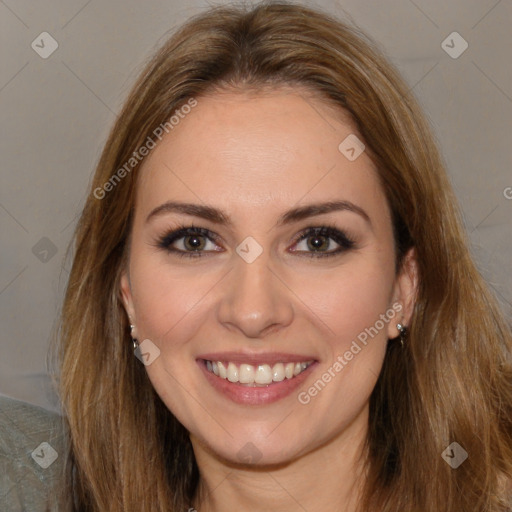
<point>56,113</point>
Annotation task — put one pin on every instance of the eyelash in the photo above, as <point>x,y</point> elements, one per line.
<point>346,243</point>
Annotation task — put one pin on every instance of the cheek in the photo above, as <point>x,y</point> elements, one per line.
<point>354,305</point>
<point>356,311</point>
<point>173,302</point>
<point>351,298</point>
<point>347,299</point>
<point>166,303</point>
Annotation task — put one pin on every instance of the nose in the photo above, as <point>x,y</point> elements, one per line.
<point>254,299</point>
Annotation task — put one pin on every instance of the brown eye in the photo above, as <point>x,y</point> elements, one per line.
<point>193,242</point>
<point>319,240</point>
<point>189,241</point>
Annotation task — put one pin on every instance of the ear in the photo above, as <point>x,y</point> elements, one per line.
<point>126,297</point>
<point>404,293</point>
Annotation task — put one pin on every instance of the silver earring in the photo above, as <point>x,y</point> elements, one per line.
<point>134,341</point>
<point>403,332</point>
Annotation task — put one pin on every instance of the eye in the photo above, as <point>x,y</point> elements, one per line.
<point>192,242</point>
<point>318,241</point>
<point>188,241</point>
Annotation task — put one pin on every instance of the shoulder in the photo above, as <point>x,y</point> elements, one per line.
<point>32,455</point>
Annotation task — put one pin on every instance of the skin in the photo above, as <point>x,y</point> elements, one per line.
<point>255,156</point>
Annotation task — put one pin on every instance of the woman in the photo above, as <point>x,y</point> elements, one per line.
<point>272,291</point>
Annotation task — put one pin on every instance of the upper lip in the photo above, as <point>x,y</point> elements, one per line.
<point>269,358</point>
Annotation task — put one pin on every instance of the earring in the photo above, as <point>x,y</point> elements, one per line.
<point>403,332</point>
<point>134,341</point>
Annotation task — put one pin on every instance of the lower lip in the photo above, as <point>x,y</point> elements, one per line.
<point>242,394</point>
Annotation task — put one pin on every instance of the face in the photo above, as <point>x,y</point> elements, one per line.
<point>262,281</point>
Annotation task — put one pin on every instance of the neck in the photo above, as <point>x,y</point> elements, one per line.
<point>327,479</point>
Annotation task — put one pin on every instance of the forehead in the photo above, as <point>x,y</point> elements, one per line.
<point>251,151</point>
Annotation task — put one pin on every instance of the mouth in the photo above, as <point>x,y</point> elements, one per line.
<point>255,379</point>
<point>252,375</point>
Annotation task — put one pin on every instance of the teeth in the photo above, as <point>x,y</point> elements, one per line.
<point>246,374</point>
<point>232,372</point>
<point>223,372</point>
<point>262,374</point>
<point>278,372</point>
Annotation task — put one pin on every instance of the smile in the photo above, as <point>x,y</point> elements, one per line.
<point>256,375</point>
<point>255,379</point>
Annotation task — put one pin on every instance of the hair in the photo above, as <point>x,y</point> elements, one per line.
<point>452,381</point>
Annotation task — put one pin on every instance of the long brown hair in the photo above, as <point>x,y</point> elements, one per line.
<point>452,382</point>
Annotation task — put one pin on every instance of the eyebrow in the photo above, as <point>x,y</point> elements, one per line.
<point>294,215</point>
